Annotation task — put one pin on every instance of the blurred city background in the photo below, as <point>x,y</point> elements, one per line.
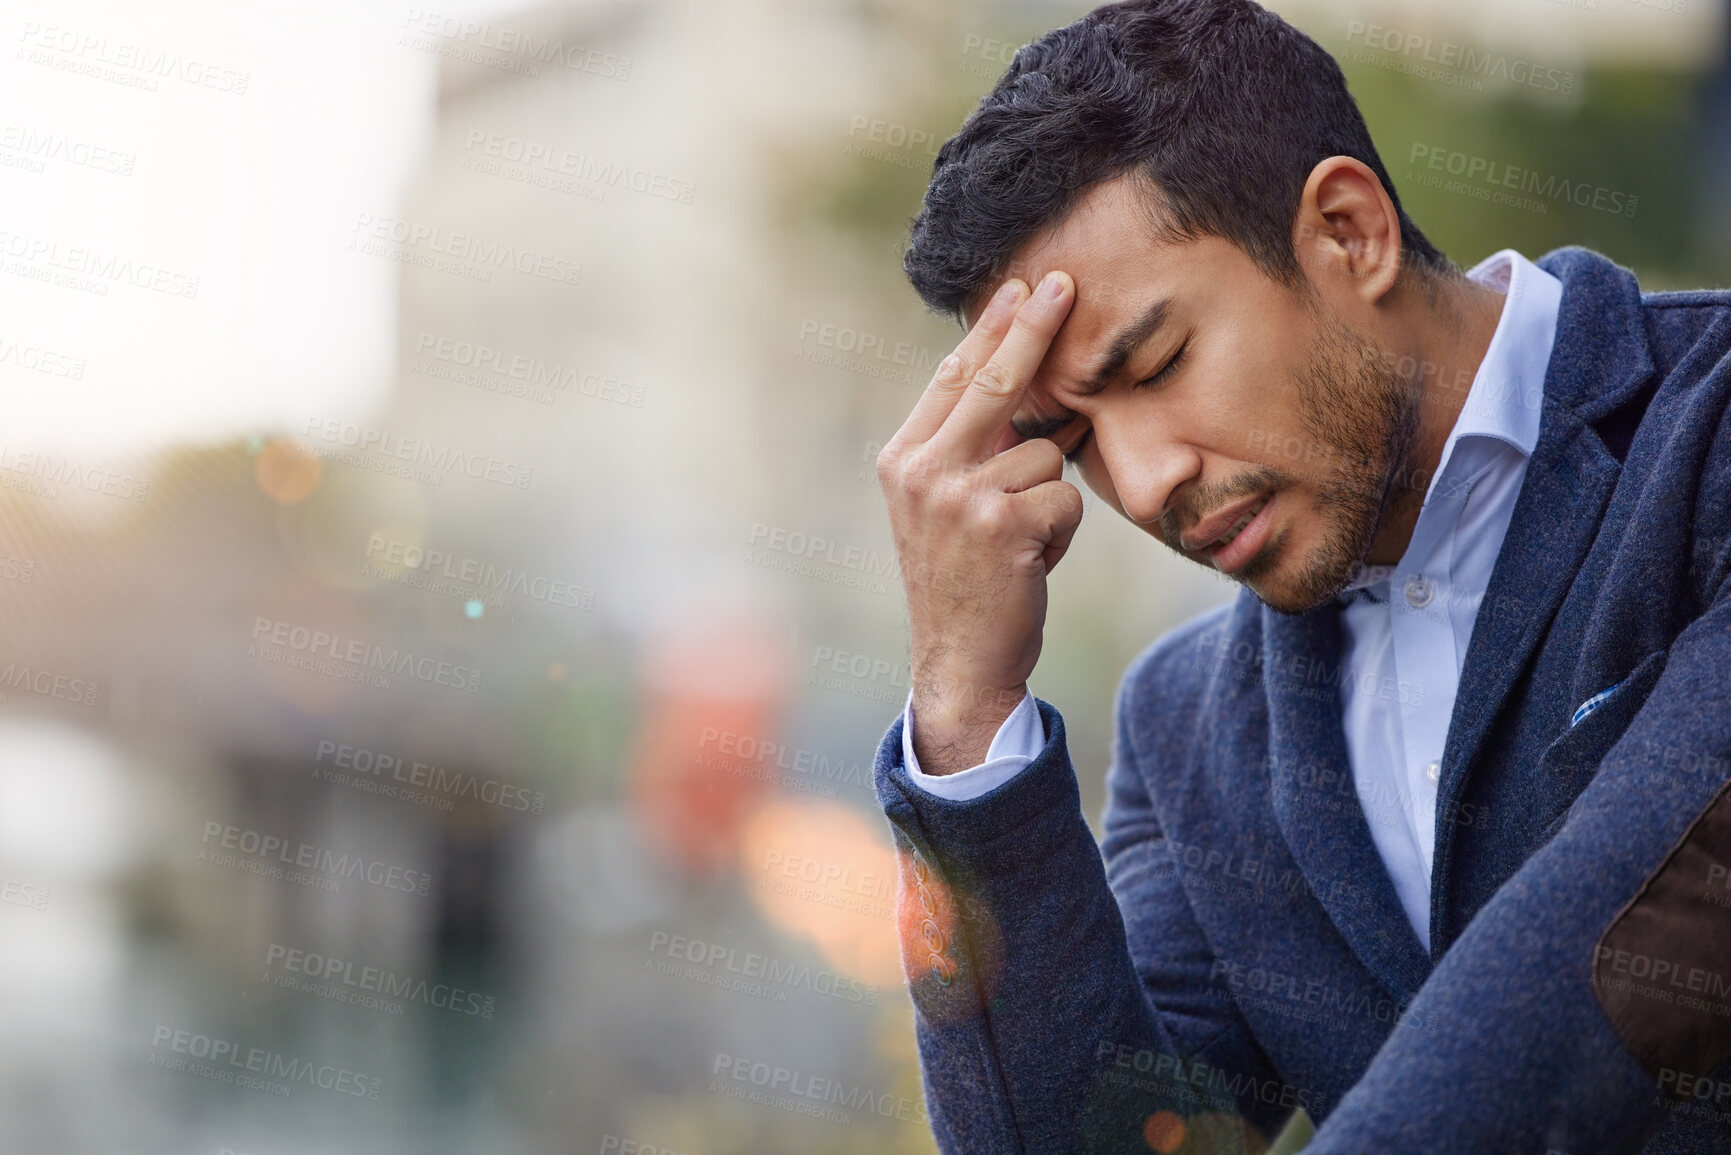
<point>446,609</point>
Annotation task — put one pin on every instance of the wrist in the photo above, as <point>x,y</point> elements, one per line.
<point>950,733</point>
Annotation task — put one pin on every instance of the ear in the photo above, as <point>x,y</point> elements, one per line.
<point>1347,233</point>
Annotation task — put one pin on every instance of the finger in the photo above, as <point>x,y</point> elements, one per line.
<point>955,371</point>
<point>1023,466</point>
<point>1060,503</point>
<point>990,400</point>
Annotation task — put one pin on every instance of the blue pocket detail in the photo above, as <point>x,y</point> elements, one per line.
<point>1592,704</point>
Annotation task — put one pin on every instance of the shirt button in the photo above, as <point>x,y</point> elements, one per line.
<point>1419,591</point>
<point>1433,771</point>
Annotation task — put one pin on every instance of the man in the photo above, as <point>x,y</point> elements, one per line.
<point>1427,832</point>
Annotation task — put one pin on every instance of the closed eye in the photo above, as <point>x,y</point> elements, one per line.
<point>1165,370</point>
<point>1074,457</point>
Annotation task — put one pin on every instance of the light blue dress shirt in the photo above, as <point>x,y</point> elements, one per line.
<point>1405,628</point>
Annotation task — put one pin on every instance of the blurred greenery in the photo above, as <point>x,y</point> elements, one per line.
<point>1631,132</point>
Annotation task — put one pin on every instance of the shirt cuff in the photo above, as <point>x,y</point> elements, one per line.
<point>1018,742</point>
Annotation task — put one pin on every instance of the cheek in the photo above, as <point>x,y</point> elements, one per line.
<point>1294,452</point>
<point>1254,386</point>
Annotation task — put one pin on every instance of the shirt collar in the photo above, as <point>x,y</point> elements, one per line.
<point>1509,387</point>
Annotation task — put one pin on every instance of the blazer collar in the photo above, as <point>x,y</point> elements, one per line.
<point>1600,361</point>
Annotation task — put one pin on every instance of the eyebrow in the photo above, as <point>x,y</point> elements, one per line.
<point>1124,345</point>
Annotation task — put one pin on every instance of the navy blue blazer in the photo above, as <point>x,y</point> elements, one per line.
<point>1233,949</point>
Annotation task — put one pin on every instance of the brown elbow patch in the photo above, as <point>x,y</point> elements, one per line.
<point>1662,969</point>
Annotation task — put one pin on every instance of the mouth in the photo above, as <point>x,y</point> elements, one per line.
<point>1233,536</point>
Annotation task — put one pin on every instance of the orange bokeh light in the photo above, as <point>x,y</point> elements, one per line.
<point>825,872</point>
<point>287,472</point>
<point>705,692</point>
<point>1163,1132</point>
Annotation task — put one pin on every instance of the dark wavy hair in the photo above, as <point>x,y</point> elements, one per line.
<point>1220,105</point>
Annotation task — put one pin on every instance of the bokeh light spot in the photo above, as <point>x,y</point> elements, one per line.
<point>1163,1132</point>
<point>286,472</point>
<point>820,870</point>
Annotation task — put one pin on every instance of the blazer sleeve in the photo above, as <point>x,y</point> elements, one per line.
<point>1062,1002</point>
<point>1587,1006</point>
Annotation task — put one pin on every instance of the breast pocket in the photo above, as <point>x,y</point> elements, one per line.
<point>1571,761</point>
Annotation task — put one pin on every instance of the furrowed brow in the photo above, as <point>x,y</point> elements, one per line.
<point>1124,345</point>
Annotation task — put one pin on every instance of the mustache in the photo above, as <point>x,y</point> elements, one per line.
<point>1211,495</point>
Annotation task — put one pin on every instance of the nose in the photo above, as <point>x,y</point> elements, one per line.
<point>1146,469</point>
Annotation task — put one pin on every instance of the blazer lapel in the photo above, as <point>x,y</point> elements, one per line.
<point>1568,482</point>
<point>1330,841</point>
<point>1598,363</point>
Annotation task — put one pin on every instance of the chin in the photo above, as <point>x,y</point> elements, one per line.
<point>1286,603</point>
<point>1292,586</point>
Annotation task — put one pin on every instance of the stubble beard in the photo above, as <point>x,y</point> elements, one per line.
<point>1367,417</point>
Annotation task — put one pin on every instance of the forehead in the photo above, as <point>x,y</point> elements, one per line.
<point>1110,248</point>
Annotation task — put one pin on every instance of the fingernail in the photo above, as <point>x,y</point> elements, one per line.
<point>1008,292</point>
<point>1052,287</point>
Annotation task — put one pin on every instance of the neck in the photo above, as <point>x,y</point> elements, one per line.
<point>1448,324</point>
